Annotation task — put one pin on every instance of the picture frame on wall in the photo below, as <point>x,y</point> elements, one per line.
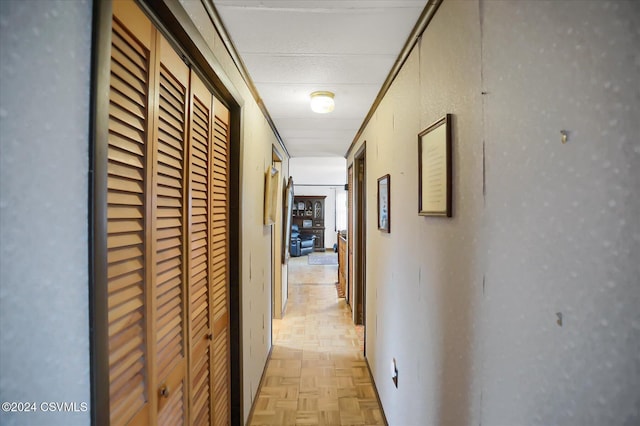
<point>435,169</point>
<point>384,203</point>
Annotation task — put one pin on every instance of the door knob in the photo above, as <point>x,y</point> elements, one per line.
<point>164,391</point>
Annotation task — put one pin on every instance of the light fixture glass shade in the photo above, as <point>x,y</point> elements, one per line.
<point>322,102</point>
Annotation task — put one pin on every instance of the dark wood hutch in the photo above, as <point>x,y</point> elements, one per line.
<point>308,214</point>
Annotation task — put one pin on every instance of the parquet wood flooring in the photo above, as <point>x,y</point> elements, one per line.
<point>317,374</point>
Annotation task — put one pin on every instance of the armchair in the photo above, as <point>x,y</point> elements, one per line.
<point>301,244</point>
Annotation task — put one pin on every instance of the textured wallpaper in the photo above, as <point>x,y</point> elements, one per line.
<point>45,55</point>
<point>523,308</point>
<point>563,219</point>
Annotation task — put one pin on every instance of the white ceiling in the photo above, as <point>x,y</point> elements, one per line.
<point>293,47</point>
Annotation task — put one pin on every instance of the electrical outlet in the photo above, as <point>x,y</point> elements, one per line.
<point>394,372</point>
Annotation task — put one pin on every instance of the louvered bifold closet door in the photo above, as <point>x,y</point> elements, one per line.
<point>200,254</point>
<point>219,266</point>
<point>170,196</point>
<point>128,215</point>
<point>168,234</point>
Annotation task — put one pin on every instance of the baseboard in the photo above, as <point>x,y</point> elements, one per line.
<point>264,372</point>
<point>375,388</point>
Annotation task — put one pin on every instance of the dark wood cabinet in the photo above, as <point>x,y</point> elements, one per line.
<point>308,214</point>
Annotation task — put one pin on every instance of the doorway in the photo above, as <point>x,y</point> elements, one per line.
<point>350,234</point>
<point>277,297</point>
<point>360,202</point>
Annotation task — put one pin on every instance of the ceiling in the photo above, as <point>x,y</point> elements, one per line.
<point>291,48</point>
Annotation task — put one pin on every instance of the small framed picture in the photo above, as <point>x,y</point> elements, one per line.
<point>435,169</point>
<point>384,203</point>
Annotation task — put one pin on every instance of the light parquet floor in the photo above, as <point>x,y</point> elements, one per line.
<point>317,374</point>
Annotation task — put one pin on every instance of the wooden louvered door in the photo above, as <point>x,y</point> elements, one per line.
<point>209,275</point>
<point>128,216</point>
<point>201,332</point>
<point>220,265</point>
<point>167,234</point>
<point>171,198</point>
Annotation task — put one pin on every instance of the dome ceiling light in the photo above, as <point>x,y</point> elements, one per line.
<point>322,102</point>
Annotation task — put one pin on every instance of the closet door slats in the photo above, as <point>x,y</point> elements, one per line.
<point>200,234</point>
<point>220,265</point>
<point>126,222</point>
<point>171,262</point>
<point>167,234</point>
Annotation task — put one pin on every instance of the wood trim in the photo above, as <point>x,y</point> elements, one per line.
<point>350,239</point>
<point>235,274</point>
<point>276,156</point>
<point>360,236</point>
<point>98,291</point>
<point>277,241</point>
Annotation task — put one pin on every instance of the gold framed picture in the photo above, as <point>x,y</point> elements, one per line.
<point>435,169</point>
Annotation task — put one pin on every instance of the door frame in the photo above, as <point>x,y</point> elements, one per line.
<point>276,247</point>
<point>360,240</point>
<point>176,27</point>
<point>350,236</point>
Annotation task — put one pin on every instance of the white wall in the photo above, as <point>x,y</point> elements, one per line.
<point>44,286</point>
<point>321,176</point>
<point>563,221</point>
<point>318,171</point>
<point>468,305</point>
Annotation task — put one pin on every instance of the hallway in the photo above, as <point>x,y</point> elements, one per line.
<point>123,293</point>
<point>317,374</point>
